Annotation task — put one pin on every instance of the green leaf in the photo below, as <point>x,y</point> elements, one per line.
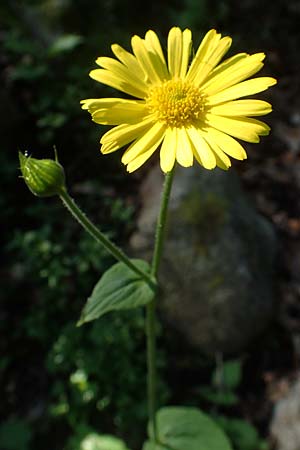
<point>219,397</point>
<point>229,375</point>
<point>242,433</point>
<point>119,288</point>
<point>151,446</point>
<point>65,43</point>
<point>94,441</point>
<point>187,429</point>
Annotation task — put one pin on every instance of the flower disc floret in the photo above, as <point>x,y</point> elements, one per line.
<point>176,103</point>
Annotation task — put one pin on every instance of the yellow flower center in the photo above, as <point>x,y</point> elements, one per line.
<point>176,103</point>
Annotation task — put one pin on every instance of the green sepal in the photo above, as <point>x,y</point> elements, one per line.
<point>119,288</point>
<point>44,177</point>
<point>181,428</point>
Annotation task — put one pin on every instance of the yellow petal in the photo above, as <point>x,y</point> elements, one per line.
<point>147,60</point>
<point>210,51</point>
<point>175,51</point>
<point>242,89</point>
<point>128,60</point>
<point>153,42</point>
<point>225,142</point>
<point>179,45</point>
<point>156,54</point>
<point>201,149</point>
<point>222,159</point>
<point>233,73</point>
<point>168,150</point>
<point>240,127</point>
<point>122,83</point>
<point>207,45</point>
<point>140,160</point>
<point>207,65</point>
<point>121,135</point>
<point>85,104</point>
<point>242,108</point>
<point>186,50</point>
<point>184,149</point>
<point>229,62</point>
<point>94,104</point>
<point>124,111</point>
<point>119,69</point>
<point>152,137</point>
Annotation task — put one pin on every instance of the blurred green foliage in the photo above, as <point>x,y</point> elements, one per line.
<point>224,381</point>
<point>15,435</point>
<point>243,435</point>
<point>93,375</point>
<point>222,393</point>
<point>88,440</point>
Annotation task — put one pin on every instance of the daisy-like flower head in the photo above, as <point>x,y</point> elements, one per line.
<point>188,109</point>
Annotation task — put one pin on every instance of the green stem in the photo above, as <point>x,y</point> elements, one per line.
<point>161,222</point>
<point>151,365</point>
<point>101,238</point>
<point>150,308</point>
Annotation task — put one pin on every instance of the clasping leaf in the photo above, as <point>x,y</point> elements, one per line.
<point>119,288</point>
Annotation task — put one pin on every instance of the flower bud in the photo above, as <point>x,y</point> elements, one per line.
<point>44,177</point>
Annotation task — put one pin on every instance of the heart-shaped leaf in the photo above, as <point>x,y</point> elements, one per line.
<point>119,288</point>
<point>94,441</point>
<point>187,429</point>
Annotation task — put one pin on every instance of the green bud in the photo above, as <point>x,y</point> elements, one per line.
<point>44,177</point>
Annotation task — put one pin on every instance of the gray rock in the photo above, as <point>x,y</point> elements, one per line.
<point>217,266</point>
<point>285,426</point>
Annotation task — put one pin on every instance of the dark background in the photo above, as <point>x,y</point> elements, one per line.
<point>59,382</point>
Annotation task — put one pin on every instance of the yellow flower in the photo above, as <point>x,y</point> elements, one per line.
<point>188,109</point>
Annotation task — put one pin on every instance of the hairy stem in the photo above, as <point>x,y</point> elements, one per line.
<point>150,308</point>
<point>102,239</point>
